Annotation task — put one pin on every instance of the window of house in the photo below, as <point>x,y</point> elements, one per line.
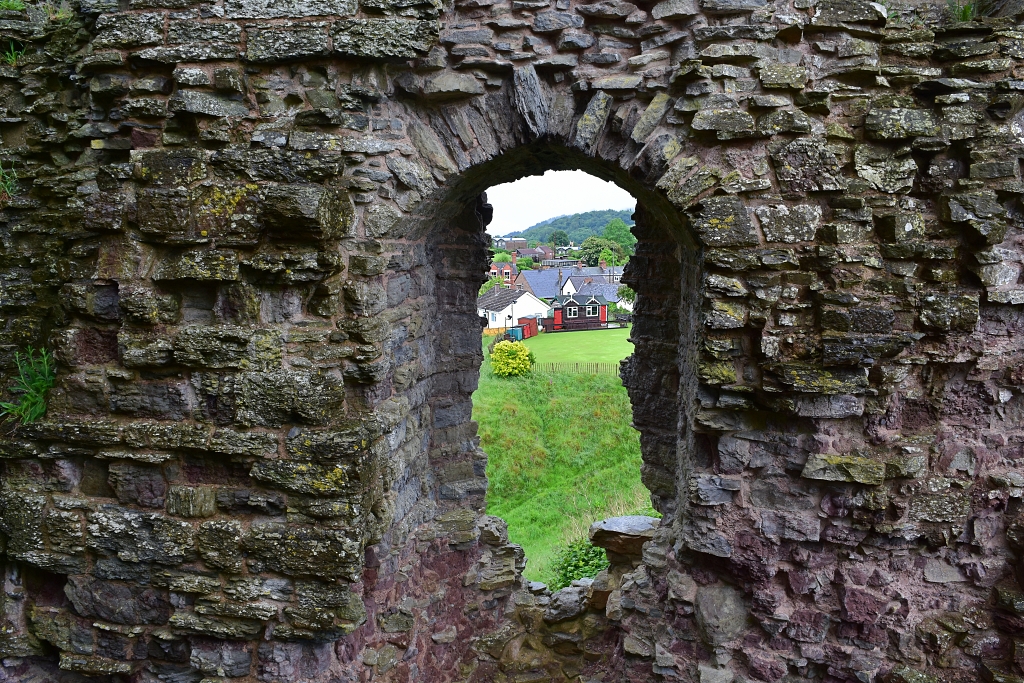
<point>572,312</point>
<point>519,287</point>
<point>494,273</point>
<point>591,311</point>
<point>494,317</point>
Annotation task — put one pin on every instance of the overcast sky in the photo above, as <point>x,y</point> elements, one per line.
<point>530,200</point>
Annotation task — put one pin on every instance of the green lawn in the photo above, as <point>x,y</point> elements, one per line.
<point>592,346</point>
<point>562,453</point>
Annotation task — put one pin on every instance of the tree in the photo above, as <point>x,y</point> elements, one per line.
<point>501,257</point>
<point>490,284</point>
<point>608,257</point>
<point>617,231</point>
<point>590,250</point>
<point>526,264</point>
<point>532,244</point>
<point>560,238</point>
<point>626,293</point>
<point>511,359</point>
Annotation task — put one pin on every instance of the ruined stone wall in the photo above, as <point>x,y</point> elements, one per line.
<point>252,235</point>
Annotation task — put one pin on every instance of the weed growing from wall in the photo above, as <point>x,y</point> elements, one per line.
<point>578,560</point>
<point>12,5</point>
<point>35,379</point>
<point>59,14</point>
<point>969,11</point>
<point>12,54</point>
<point>8,185</point>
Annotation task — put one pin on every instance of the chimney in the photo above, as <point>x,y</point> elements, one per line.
<point>559,280</point>
<point>603,264</point>
<point>513,258</point>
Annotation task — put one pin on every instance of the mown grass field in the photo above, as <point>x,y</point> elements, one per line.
<point>592,346</point>
<point>562,453</point>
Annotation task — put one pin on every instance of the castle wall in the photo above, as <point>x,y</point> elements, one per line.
<point>252,235</point>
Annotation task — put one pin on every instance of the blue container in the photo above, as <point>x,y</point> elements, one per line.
<point>517,333</point>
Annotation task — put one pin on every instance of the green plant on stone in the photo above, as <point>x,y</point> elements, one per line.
<point>12,5</point>
<point>35,379</point>
<point>12,54</point>
<point>969,11</point>
<point>578,560</point>
<point>59,14</point>
<point>8,185</point>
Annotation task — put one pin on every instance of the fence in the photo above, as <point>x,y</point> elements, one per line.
<point>579,368</point>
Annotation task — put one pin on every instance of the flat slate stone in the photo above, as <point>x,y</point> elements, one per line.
<point>674,9</point>
<point>286,42</point>
<point>271,9</point>
<point>197,102</point>
<point>384,38</point>
<point>623,535</point>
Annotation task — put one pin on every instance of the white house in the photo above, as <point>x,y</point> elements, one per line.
<point>504,307</point>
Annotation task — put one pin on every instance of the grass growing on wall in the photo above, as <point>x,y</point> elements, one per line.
<point>562,454</point>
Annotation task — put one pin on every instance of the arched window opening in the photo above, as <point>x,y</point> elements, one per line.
<point>562,449</point>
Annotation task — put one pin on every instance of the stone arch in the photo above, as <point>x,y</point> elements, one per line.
<point>222,228</point>
<point>664,247</point>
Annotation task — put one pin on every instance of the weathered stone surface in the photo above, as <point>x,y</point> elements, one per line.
<point>286,41</point>
<point>608,9</point>
<point>209,104</point>
<point>449,85</point>
<point>807,165</point>
<point>565,604</point>
<point>129,30</point>
<point>310,210</point>
<point>723,222</point>
<point>592,122</point>
<point>118,602</point>
<point>721,614</point>
<point>897,124</point>
<point>263,9</point>
<point>550,22</point>
<point>674,9</point>
<point>885,170</point>
<point>789,224</point>
<point>950,311</point>
<point>134,536</point>
<point>384,38</point>
<point>302,551</point>
<point>783,76</point>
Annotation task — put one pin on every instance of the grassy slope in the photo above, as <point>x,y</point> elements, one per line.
<point>562,451</point>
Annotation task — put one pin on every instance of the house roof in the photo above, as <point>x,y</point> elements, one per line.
<point>580,281</point>
<point>579,299</point>
<point>609,291</point>
<point>499,298</point>
<point>500,265</point>
<point>594,270</point>
<point>544,283</point>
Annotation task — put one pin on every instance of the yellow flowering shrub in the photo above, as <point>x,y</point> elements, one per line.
<point>511,359</point>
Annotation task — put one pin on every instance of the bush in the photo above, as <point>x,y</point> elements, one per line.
<point>511,359</point>
<point>491,284</point>
<point>35,379</point>
<point>578,560</point>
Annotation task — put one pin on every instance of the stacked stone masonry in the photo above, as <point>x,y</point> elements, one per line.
<point>252,233</point>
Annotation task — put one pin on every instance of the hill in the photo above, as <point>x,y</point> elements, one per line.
<point>579,226</point>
